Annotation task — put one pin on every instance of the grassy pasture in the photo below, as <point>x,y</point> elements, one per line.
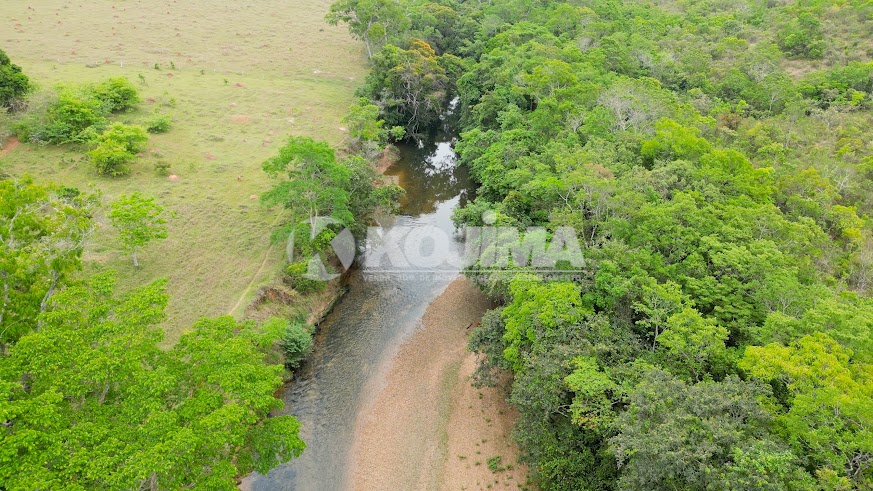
<point>247,75</point>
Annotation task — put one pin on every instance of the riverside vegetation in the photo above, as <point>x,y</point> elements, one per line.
<point>715,159</point>
<point>225,103</point>
<point>91,394</point>
<point>714,156</point>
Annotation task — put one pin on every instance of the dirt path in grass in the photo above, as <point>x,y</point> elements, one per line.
<point>427,427</point>
<point>257,274</point>
<point>8,146</point>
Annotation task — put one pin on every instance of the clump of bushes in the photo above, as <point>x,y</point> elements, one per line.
<point>162,168</point>
<point>67,116</point>
<point>76,114</point>
<point>116,147</point>
<point>297,344</point>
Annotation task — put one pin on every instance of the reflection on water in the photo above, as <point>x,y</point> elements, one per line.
<point>365,327</point>
<point>430,177</point>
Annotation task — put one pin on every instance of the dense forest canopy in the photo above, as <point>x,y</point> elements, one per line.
<point>716,158</point>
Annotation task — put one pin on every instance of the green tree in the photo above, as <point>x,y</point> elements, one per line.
<point>312,180</point>
<point>673,141</point>
<point>594,393</point>
<point>410,85</point>
<point>803,37</point>
<point>538,307</point>
<point>91,401</point>
<point>13,83</point>
<point>658,304</point>
<point>372,21</point>
<point>43,230</point>
<point>692,343</point>
<point>830,405</point>
<point>139,220</point>
<point>678,436</point>
<point>367,134</point>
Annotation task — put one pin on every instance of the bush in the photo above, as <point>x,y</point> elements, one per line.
<point>162,168</point>
<point>116,147</point>
<point>301,283</point>
<point>116,94</point>
<point>75,115</point>
<point>69,117</point>
<point>160,123</point>
<point>13,84</point>
<point>66,116</point>
<point>297,344</point>
<point>111,158</point>
<point>803,37</point>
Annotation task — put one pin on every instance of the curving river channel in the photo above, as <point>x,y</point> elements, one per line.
<point>358,338</point>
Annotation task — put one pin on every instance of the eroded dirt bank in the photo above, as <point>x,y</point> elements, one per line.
<point>426,427</point>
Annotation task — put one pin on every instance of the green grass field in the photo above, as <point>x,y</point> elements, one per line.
<point>247,75</point>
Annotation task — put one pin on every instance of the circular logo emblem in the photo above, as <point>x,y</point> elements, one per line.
<point>343,245</point>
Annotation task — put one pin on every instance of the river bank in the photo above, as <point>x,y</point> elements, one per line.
<point>397,342</point>
<point>425,426</point>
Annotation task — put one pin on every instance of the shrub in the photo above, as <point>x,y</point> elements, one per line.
<point>13,84</point>
<point>300,282</point>
<point>803,37</point>
<point>297,344</point>
<point>116,94</point>
<point>495,464</point>
<point>111,158</point>
<point>160,123</point>
<point>162,168</point>
<point>116,147</point>
<point>68,118</point>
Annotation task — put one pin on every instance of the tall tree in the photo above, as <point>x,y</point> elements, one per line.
<point>91,401</point>
<point>316,182</point>
<point>698,437</point>
<point>43,230</point>
<point>830,404</point>
<point>372,21</point>
<point>139,221</point>
<point>13,83</point>
<point>410,85</point>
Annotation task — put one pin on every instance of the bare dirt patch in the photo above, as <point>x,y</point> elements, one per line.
<point>386,159</point>
<point>428,428</point>
<point>10,145</point>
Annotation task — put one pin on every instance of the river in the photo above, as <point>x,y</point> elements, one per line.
<point>364,330</point>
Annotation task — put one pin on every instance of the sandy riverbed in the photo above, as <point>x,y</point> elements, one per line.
<point>426,427</point>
